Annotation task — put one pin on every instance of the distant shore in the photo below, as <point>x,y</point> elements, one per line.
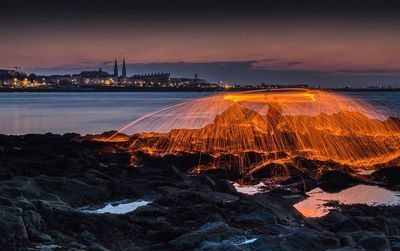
<point>166,89</point>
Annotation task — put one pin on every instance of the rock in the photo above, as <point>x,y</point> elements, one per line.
<point>279,207</point>
<point>43,207</point>
<point>335,180</point>
<point>337,222</point>
<point>376,242</point>
<point>13,234</point>
<point>6,202</point>
<point>217,246</point>
<point>371,240</point>
<point>297,240</point>
<point>299,182</point>
<point>395,242</point>
<point>275,170</point>
<point>53,176</point>
<point>35,225</point>
<point>225,186</point>
<point>256,219</point>
<point>73,191</point>
<point>217,197</point>
<point>24,204</point>
<point>372,223</point>
<point>346,240</point>
<point>49,247</point>
<point>212,231</point>
<point>5,174</point>
<point>175,171</point>
<point>94,246</point>
<point>219,173</point>
<point>390,175</point>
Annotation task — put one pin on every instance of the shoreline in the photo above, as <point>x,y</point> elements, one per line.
<point>45,180</point>
<point>147,89</point>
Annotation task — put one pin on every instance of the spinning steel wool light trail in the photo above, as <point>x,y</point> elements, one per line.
<point>298,122</point>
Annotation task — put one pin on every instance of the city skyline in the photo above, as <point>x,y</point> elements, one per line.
<point>334,42</point>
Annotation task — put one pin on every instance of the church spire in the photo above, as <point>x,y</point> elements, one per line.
<point>123,69</point>
<point>115,69</point>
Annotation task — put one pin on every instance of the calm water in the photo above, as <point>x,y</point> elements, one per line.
<point>119,207</point>
<point>314,206</point>
<point>95,112</point>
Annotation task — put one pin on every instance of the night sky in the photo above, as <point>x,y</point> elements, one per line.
<point>329,42</point>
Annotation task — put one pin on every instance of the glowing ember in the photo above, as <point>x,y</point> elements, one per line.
<point>297,122</point>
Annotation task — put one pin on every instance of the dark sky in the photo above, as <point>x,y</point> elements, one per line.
<point>284,41</point>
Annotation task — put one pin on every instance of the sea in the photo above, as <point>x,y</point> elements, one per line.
<point>97,112</point>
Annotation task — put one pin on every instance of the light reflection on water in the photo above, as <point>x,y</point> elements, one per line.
<point>313,206</point>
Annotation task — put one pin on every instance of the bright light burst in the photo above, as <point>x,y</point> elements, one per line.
<point>298,122</point>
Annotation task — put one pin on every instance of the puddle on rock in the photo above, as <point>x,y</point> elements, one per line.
<point>248,241</point>
<point>117,207</point>
<point>366,171</point>
<point>313,206</point>
<point>250,189</point>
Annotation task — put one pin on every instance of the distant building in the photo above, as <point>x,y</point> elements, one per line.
<point>88,78</point>
<point>115,69</point>
<point>189,82</point>
<point>93,74</point>
<point>152,79</point>
<point>8,74</point>
<point>123,69</point>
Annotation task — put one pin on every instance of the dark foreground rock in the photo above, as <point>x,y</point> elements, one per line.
<point>45,180</point>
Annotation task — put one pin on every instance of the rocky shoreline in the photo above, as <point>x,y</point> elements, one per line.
<point>45,181</point>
